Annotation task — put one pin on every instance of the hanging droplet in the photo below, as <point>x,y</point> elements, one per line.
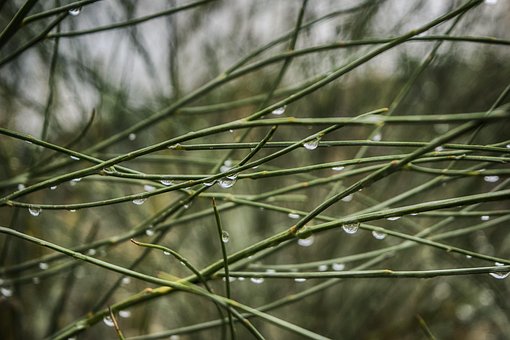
<point>149,232</point>
<point>226,183</point>
<point>312,144</point>
<point>338,168</point>
<point>75,11</point>
<point>439,149</point>
<point>294,216</point>
<point>43,266</point>
<point>378,235</point>
<point>108,321</point>
<point>166,253</point>
<point>209,184</point>
<point>280,110</point>
<point>393,218</point>
<point>491,2</point>
<point>149,188</point>
<point>491,179</point>
<point>225,236</point>
<point>124,314</point>
<point>347,198</point>
<point>485,217</point>
<point>74,158</point>
<point>240,278</point>
<point>126,280</point>
<point>338,266</point>
<point>306,242</point>
<point>469,257</point>
<point>377,137</point>
<point>132,136</point>
<point>91,252</point>
<point>299,279</point>
<point>166,182</point>
<point>139,201</point>
<point>225,168</point>
<point>72,210</point>
<point>232,176</point>
<point>175,337</point>
<point>323,267</point>
<point>187,205</point>
<point>34,211</point>
<point>257,280</point>
<point>500,275</point>
<point>21,186</point>
<point>351,228</point>
<point>270,270</point>
<point>6,291</point>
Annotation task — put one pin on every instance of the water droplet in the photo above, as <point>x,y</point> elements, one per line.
<point>270,270</point>
<point>175,146</point>
<point>166,182</point>
<point>225,236</point>
<point>485,217</point>
<point>175,337</point>
<point>91,252</point>
<point>209,184</point>
<point>108,321</point>
<point>338,266</point>
<point>500,275</point>
<point>306,242</point>
<point>34,211</point>
<point>351,228</point>
<point>378,235</point>
<point>43,266</point>
<point>257,280</point>
<point>126,280</point>
<point>53,187</point>
<point>299,279</point>
<point>226,183</point>
<point>139,201</point>
<point>280,110</point>
<point>347,198</point>
<point>469,257</point>
<point>491,179</point>
<point>323,267</point>
<point>149,188</point>
<point>149,232</point>
<point>240,278</point>
<point>338,168</point>
<point>294,216</point>
<point>508,146</point>
<point>187,205</point>
<point>393,218</point>
<point>124,314</point>
<point>232,176</point>
<point>312,144</point>
<point>74,158</point>
<point>75,11</point>
<point>377,137</point>
<point>491,2</point>
<point>75,180</point>
<point>6,291</point>
<point>225,168</point>
<point>21,186</point>
<point>166,253</point>
<point>132,136</point>
<point>439,149</point>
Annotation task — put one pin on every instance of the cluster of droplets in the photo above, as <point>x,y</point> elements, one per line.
<point>257,280</point>
<point>351,228</point>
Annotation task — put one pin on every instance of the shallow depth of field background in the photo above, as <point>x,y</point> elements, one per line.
<point>123,76</point>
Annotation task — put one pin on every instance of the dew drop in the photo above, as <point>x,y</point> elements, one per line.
<point>270,270</point>
<point>74,158</point>
<point>6,291</point>
<point>225,236</point>
<point>257,280</point>
<point>209,184</point>
<point>240,278</point>
<point>43,266</point>
<point>34,211</point>
<point>393,218</point>
<point>312,144</point>
<point>491,2</point>
<point>21,186</point>
<point>491,179</point>
<point>485,217</point>
<point>378,235</point>
<point>351,228</point>
<point>175,146</point>
<point>226,183</point>
<point>338,168</point>
<point>72,210</point>
<point>231,131</point>
<point>338,266</point>
<point>439,149</point>
<point>323,267</point>
<point>149,188</point>
<point>508,146</point>
<point>166,253</point>
<point>166,182</point>
<point>139,201</point>
<point>306,242</point>
<point>299,279</point>
<point>280,110</point>
<point>225,168</point>
<point>469,257</point>
<point>149,232</point>
<point>187,205</point>
<point>75,180</point>
<point>125,280</point>
<point>91,252</point>
<point>132,136</point>
<point>108,321</point>
<point>75,11</point>
<point>232,176</point>
<point>500,275</point>
<point>377,137</point>
<point>347,198</point>
<point>294,216</point>
<point>124,314</point>
<point>175,337</point>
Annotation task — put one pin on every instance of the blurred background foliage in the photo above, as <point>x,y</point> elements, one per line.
<point>94,86</point>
